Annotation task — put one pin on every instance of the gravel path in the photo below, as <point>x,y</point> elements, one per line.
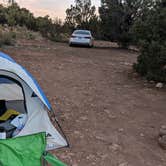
<point>110,115</point>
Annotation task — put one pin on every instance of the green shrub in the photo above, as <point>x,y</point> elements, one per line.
<point>151,33</point>
<point>13,35</point>
<point>124,40</point>
<point>30,36</point>
<point>151,62</point>
<point>6,38</point>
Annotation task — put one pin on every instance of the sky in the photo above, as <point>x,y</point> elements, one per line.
<point>53,8</point>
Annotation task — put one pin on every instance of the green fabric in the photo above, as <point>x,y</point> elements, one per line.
<point>53,160</point>
<point>22,151</point>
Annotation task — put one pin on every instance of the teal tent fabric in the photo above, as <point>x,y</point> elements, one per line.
<point>22,151</point>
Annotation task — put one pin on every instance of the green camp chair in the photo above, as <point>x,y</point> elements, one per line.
<point>26,151</point>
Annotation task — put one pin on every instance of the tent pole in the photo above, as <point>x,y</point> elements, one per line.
<point>63,133</point>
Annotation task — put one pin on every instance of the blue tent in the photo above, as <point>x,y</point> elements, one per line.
<point>21,92</point>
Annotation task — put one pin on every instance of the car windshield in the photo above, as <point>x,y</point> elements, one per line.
<point>82,32</point>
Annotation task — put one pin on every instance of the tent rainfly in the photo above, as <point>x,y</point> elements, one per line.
<point>22,96</point>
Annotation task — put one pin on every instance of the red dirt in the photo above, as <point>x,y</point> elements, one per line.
<point>110,115</point>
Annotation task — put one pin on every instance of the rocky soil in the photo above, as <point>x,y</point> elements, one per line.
<point>110,115</point>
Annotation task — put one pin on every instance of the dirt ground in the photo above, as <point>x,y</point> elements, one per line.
<point>110,115</point>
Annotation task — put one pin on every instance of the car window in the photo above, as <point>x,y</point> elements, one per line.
<point>82,32</point>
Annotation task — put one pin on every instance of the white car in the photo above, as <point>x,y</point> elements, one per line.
<point>81,37</point>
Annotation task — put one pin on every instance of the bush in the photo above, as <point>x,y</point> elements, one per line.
<point>151,62</point>
<point>30,36</point>
<point>6,38</point>
<point>124,40</point>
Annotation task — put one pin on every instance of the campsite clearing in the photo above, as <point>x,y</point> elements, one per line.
<point>110,115</point>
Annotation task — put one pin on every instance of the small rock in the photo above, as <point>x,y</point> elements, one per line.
<point>123,164</point>
<point>106,111</point>
<point>100,138</point>
<point>162,131</point>
<point>77,132</point>
<point>84,118</point>
<point>151,82</point>
<point>121,130</point>
<point>159,85</point>
<point>136,75</point>
<point>162,142</point>
<point>142,135</point>
<point>163,127</point>
<point>115,147</point>
<point>91,156</point>
<point>122,112</point>
<point>75,164</point>
<point>66,116</point>
<point>104,156</point>
<point>65,156</point>
<point>164,67</point>
<point>81,136</point>
<point>154,113</point>
<point>112,116</point>
<point>71,154</point>
<point>128,64</point>
<point>77,121</point>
